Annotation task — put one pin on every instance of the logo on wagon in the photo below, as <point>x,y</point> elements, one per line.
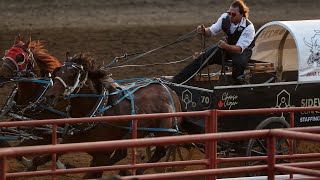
<point>228,101</point>
<point>314,45</point>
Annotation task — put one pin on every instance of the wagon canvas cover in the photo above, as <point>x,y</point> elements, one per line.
<point>290,46</point>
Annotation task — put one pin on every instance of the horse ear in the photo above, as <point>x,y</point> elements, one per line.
<point>26,45</point>
<point>17,39</point>
<point>67,55</point>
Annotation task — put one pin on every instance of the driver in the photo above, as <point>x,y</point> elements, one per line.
<point>239,33</point>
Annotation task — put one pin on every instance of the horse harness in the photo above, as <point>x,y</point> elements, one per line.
<point>21,70</point>
<point>101,106</point>
<point>78,83</point>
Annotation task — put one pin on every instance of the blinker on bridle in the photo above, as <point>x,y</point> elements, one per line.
<point>12,54</point>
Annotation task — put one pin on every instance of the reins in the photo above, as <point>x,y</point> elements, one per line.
<point>137,55</point>
<point>203,64</point>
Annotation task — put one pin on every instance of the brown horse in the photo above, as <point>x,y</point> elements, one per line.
<point>24,60</point>
<point>80,75</point>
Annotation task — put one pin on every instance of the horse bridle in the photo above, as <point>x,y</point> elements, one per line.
<point>21,67</point>
<point>78,83</point>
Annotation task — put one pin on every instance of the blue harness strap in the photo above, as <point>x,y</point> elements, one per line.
<point>146,129</point>
<point>130,95</point>
<point>8,138</point>
<point>63,114</point>
<point>41,81</point>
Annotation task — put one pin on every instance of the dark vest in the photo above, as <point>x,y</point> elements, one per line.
<point>232,39</point>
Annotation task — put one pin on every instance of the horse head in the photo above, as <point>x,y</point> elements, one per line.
<point>28,59</point>
<point>17,59</point>
<point>77,72</point>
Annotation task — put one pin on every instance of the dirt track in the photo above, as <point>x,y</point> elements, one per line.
<point>112,28</point>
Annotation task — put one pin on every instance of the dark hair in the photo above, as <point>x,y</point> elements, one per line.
<point>243,8</point>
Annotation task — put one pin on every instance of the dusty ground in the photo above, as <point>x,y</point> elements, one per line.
<point>111,28</point>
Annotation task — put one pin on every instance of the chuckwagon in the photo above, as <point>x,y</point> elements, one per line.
<point>284,71</point>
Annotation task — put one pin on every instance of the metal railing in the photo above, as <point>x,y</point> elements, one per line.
<point>211,137</point>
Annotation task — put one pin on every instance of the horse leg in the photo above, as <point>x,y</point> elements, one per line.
<point>41,160</point>
<point>23,160</point>
<point>98,159</point>
<point>4,144</point>
<point>118,156</point>
<point>159,153</point>
<point>27,162</point>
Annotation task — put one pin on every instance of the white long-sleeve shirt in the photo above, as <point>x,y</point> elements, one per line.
<point>247,35</point>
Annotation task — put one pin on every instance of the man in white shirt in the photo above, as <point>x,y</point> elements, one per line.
<point>240,34</point>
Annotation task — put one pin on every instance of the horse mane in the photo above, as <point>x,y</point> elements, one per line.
<point>89,64</point>
<point>46,62</point>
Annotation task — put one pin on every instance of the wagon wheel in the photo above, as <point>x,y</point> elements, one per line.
<point>258,147</point>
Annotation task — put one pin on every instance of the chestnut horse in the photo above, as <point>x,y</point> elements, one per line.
<point>80,76</point>
<point>30,60</point>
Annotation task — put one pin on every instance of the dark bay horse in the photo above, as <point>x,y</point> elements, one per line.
<point>29,60</point>
<point>79,75</point>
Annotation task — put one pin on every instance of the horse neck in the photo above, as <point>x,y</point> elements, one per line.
<point>28,92</point>
<point>82,106</point>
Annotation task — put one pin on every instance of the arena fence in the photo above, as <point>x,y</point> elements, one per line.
<point>210,138</point>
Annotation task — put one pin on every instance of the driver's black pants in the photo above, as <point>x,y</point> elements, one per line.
<point>239,62</point>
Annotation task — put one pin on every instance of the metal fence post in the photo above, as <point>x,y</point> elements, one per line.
<point>291,141</point>
<point>271,156</point>
<point>54,156</point>
<point>3,168</point>
<point>211,147</point>
<point>134,149</point>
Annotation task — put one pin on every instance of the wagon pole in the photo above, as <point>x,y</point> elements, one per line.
<point>141,54</point>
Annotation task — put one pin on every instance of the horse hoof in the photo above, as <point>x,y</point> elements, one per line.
<point>32,168</point>
<point>117,177</point>
<point>69,166</point>
<point>124,173</point>
<point>139,171</point>
<point>26,162</point>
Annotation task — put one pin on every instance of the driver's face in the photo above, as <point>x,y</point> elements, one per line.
<point>234,14</point>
